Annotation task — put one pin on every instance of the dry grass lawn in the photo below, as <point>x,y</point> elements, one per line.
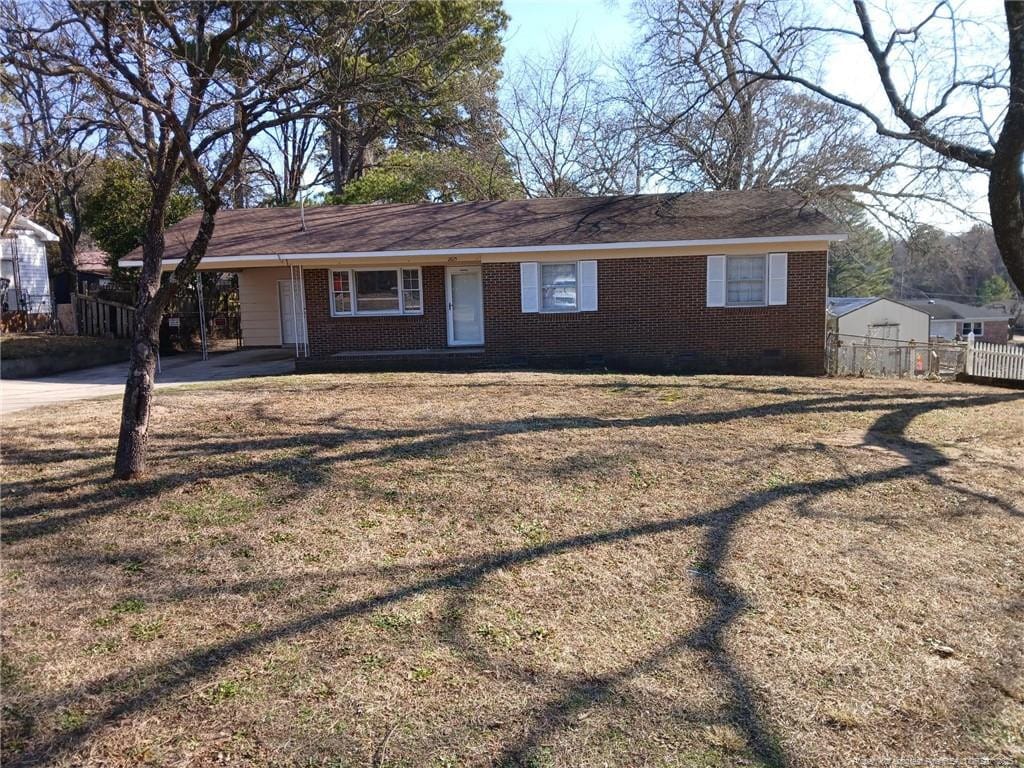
<point>520,569</point>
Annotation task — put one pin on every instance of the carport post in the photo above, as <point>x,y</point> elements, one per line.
<point>295,318</point>
<point>202,315</point>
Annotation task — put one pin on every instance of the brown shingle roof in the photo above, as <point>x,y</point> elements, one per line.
<point>96,262</point>
<point>507,223</point>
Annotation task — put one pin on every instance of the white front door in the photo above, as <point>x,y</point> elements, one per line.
<point>465,306</point>
<point>292,326</point>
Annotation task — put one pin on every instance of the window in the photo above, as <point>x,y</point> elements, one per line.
<point>967,328</point>
<point>558,287</point>
<point>411,294</point>
<point>744,280</point>
<point>341,293</point>
<point>376,291</point>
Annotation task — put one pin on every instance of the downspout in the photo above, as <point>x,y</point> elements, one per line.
<point>305,321</point>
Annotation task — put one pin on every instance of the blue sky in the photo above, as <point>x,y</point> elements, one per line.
<point>601,27</point>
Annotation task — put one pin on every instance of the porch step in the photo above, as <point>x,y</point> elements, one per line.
<point>456,359</point>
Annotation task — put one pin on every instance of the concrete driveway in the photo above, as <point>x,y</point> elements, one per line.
<point>19,394</point>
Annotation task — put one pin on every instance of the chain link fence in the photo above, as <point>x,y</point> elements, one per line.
<point>847,355</point>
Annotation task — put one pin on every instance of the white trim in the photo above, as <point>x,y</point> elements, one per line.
<point>450,308</point>
<point>507,249</point>
<point>715,280</point>
<point>529,286</point>
<point>356,312</point>
<point>586,285</point>
<point>778,279</point>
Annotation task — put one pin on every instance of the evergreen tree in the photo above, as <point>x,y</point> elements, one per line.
<point>115,208</point>
<point>995,288</point>
<point>444,177</point>
<point>861,266</point>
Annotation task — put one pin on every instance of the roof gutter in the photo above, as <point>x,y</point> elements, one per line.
<point>578,247</point>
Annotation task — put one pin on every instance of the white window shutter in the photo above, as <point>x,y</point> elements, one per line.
<point>529,289</point>
<point>777,277</point>
<point>716,281</point>
<point>587,276</point>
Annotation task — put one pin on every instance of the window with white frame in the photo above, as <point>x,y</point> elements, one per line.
<point>558,287</point>
<point>968,328</point>
<point>377,291</point>
<point>745,280</point>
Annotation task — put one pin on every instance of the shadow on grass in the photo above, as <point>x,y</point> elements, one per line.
<point>403,443</point>
<point>459,578</point>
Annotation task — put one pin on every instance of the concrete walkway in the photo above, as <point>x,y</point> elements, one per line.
<point>19,394</point>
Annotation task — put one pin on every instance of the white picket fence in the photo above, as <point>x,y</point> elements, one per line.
<point>994,361</point>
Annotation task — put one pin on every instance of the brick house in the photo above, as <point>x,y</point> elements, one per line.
<point>718,281</point>
<point>953,320</point>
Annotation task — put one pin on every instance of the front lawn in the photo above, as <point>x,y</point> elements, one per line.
<point>519,569</point>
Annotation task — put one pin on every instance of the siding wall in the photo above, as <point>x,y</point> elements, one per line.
<point>652,315</point>
<point>259,305</point>
<point>32,272</point>
<point>912,322</point>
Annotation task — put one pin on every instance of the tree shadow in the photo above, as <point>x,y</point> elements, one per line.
<point>460,578</point>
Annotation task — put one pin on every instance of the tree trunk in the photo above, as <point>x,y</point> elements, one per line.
<point>133,439</point>
<point>130,461</point>
<point>1005,185</point>
<point>339,157</point>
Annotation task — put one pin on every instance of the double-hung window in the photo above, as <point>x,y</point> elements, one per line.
<point>558,287</point>
<point>745,280</point>
<point>377,291</point>
<point>968,328</point>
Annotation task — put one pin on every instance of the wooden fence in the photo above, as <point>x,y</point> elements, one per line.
<point>994,361</point>
<point>99,317</point>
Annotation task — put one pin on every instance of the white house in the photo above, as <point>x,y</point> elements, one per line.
<point>25,283</point>
<point>877,318</point>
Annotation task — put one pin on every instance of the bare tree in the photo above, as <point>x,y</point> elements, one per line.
<point>190,84</point>
<point>283,156</point>
<point>567,132</point>
<point>713,123</point>
<point>957,107</point>
<point>50,134</point>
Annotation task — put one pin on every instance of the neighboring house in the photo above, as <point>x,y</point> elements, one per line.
<point>719,281</point>
<point>94,272</point>
<point>953,320</point>
<point>879,319</point>
<point>24,277</point>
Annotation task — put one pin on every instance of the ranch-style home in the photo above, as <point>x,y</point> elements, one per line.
<point>720,281</point>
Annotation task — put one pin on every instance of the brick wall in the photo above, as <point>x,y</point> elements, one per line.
<point>652,316</point>
<point>328,335</point>
<point>996,331</point>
